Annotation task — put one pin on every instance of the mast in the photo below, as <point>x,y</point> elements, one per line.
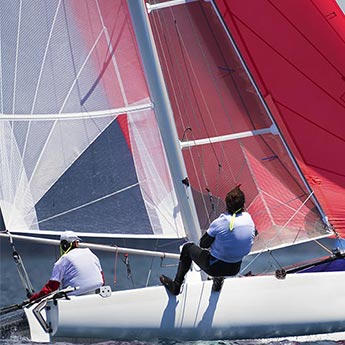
<point>164,116</point>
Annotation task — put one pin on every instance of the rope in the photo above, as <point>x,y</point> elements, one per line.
<point>23,275</point>
<point>278,233</point>
<point>115,265</point>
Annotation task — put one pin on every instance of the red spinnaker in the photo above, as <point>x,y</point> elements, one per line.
<point>295,52</point>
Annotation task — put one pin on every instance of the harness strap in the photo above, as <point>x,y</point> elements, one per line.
<point>232,220</point>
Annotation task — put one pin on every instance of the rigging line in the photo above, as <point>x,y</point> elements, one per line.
<point>230,73</point>
<point>188,67</point>
<point>189,75</point>
<point>323,247</point>
<point>174,90</point>
<point>286,204</point>
<point>257,184</point>
<point>185,59</point>
<point>88,203</point>
<point>244,104</point>
<point>306,38</point>
<point>221,99</point>
<point>157,24</point>
<point>23,275</point>
<point>115,265</point>
<point>149,273</point>
<point>159,28</point>
<point>278,233</point>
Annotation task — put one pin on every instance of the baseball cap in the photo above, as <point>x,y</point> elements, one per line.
<point>69,236</point>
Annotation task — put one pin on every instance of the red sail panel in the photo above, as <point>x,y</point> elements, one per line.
<point>295,51</point>
<point>117,47</point>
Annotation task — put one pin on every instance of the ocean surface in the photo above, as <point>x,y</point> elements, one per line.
<point>16,337</point>
<point>14,330</point>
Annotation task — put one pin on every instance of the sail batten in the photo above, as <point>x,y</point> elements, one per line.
<point>165,4</point>
<point>74,116</point>
<point>271,130</point>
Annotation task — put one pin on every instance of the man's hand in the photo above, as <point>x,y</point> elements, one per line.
<point>51,286</point>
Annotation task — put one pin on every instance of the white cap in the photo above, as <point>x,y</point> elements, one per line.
<point>69,236</point>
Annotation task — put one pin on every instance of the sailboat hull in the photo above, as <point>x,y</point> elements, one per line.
<point>251,307</point>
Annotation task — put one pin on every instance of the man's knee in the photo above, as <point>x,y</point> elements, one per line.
<point>186,249</point>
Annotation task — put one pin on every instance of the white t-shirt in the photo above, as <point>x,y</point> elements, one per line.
<point>79,267</point>
<point>232,245</point>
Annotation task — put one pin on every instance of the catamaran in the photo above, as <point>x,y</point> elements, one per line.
<point>132,120</point>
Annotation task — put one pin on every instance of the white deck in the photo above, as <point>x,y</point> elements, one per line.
<point>252,307</point>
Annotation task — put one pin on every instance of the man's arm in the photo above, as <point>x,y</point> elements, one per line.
<point>51,286</point>
<point>206,240</point>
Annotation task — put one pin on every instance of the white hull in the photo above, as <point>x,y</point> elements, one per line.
<point>252,307</point>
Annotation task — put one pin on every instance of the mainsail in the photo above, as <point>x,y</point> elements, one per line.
<point>80,147</point>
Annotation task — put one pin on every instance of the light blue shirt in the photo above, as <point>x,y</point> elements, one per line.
<point>232,245</point>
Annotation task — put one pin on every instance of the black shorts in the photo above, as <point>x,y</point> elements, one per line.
<point>209,264</point>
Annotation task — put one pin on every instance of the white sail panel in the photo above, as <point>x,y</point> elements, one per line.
<point>154,177</point>
<point>15,197</point>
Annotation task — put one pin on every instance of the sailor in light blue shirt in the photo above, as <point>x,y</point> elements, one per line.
<point>232,245</point>
<point>222,247</point>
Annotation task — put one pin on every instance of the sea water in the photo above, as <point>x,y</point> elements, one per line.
<point>17,333</point>
<point>314,340</point>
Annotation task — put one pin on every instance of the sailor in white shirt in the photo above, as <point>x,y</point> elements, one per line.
<point>77,267</point>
